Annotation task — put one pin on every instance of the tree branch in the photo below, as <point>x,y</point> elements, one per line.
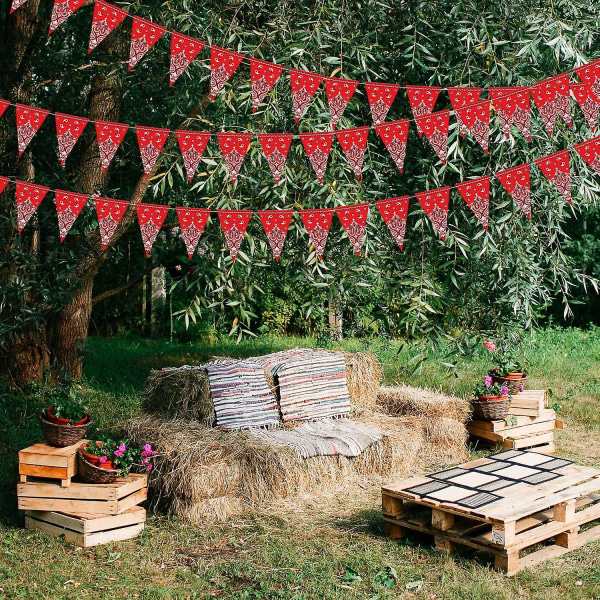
<point>115,291</point>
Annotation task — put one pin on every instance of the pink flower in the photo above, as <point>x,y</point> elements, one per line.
<point>149,468</point>
<point>521,387</point>
<point>487,380</point>
<point>103,459</point>
<point>122,448</point>
<point>148,448</point>
<point>504,390</point>
<point>119,452</point>
<point>490,346</point>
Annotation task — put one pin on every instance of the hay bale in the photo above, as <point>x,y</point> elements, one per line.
<point>363,376</point>
<point>414,401</point>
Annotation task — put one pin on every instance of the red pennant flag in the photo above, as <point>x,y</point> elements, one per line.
<point>552,99</point>
<point>354,144</point>
<point>61,11</point>
<point>588,101</point>
<point>276,147</point>
<point>461,97</point>
<point>184,50</point>
<point>394,136</point>
<point>151,218</point>
<point>304,86</point>
<point>476,193</point>
<point>354,221</point>
<point>109,135</point>
<point>263,76</point>
<point>68,208</point>
<point>516,182</point>
<point>16,4</point>
<point>381,97</point>
<point>4,104</point>
<point>192,145</point>
<point>4,181</point>
<point>29,121</point>
<point>590,73</point>
<point>422,100</point>
<point>105,20</point>
<point>192,222</point>
<point>223,64</point>
<point>144,35</point>
<point>435,128</point>
<point>476,119</point>
<point>234,147</point>
<point>339,93</point>
<point>29,197</point>
<point>234,224</point>
<point>556,168</point>
<point>435,203</point>
<point>151,142</point>
<point>394,212</point>
<point>276,224</point>
<point>318,223</point>
<point>68,131</point>
<point>513,108</point>
<point>110,212</point>
<point>590,152</point>
<point>318,147</point>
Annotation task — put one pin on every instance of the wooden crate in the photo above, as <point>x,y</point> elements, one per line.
<point>88,530</point>
<point>528,403</point>
<point>83,498</point>
<point>523,516</point>
<point>49,462</point>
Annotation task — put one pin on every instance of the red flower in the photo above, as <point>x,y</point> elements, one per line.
<point>490,346</point>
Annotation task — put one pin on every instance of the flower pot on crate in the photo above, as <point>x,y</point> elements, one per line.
<point>62,435</point>
<point>95,473</point>
<point>50,416</point>
<point>96,460</point>
<point>491,408</point>
<point>513,381</point>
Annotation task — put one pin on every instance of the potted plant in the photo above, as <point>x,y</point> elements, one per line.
<point>491,400</point>
<point>510,370</point>
<point>64,420</point>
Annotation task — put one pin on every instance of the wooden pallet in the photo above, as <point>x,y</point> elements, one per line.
<point>83,498</point>
<point>528,403</point>
<point>525,515</point>
<point>88,530</point>
<point>49,462</point>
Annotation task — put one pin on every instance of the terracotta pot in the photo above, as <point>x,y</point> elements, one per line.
<point>91,458</point>
<point>514,375</point>
<point>492,398</point>
<point>60,421</point>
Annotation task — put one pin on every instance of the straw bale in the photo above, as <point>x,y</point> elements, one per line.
<point>363,376</point>
<point>414,401</point>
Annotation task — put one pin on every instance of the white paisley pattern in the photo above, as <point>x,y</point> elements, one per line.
<point>60,13</point>
<point>318,237</point>
<point>276,161</point>
<point>356,235</point>
<point>234,238</point>
<point>439,141</point>
<point>521,195</point>
<point>218,78</point>
<point>379,110</point>
<point>66,219</point>
<point>439,219</point>
<point>107,225</point>
<point>191,235</point>
<point>149,155</point>
<point>318,160</point>
<point>100,30</point>
<point>25,210</point>
<point>137,51</point>
<point>276,239</point>
<point>191,160</point>
<point>108,148</point>
<point>562,181</point>
<point>397,227</point>
<point>260,88</point>
<point>25,134</point>
<point>300,101</point>
<point>66,142</point>
<point>234,161</point>
<point>150,231</point>
<point>179,63</point>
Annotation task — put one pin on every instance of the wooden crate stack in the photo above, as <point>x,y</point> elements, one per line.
<point>86,514</point>
<point>529,425</point>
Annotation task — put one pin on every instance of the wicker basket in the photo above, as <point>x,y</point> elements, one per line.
<point>511,384</point>
<point>62,435</point>
<point>93,474</point>
<point>491,411</point>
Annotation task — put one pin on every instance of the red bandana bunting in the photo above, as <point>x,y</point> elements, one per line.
<point>192,222</point>
<point>304,86</point>
<point>234,147</point>
<point>354,145</point>
<point>61,11</point>
<point>68,208</point>
<point>394,136</point>
<point>422,100</point>
<point>68,131</point>
<point>556,168</point>
<point>110,212</point>
<point>435,203</point>
<point>476,119</point>
<point>223,64</point>
<point>4,181</point>
<point>109,135</point>
<point>516,183</point>
<point>16,4</point>
<point>318,147</point>
<point>513,108</point>
<point>354,221</point>
<point>192,145</point>
<point>435,128</point>
<point>234,224</point>
<point>184,50</point>
<point>394,212</point>
<point>381,97</point>
<point>339,93</point>
<point>263,76</point>
<point>105,20</point>
<point>476,193</point>
<point>590,152</point>
<point>588,101</point>
<point>29,121</point>
<point>590,73</point>
<point>276,224</point>
<point>318,223</point>
<point>151,142</point>
<point>29,197</point>
<point>4,104</point>
<point>144,35</point>
<point>461,97</point>
<point>552,99</point>
<point>276,147</point>
<point>151,218</point>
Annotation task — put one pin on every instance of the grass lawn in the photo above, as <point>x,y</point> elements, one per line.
<point>328,549</point>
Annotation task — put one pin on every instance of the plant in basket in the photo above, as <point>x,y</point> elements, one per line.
<point>491,400</point>
<point>64,420</point>
<point>489,391</point>
<point>510,370</point>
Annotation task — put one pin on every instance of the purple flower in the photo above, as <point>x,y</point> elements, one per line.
<point>521,387</point>
<point>149,468</point>
<point>487,380</point>
<point>504,390</point>
<point>119,452</point>
<point>148,448</point>
<point>122,448</point>
<point>103,459</point>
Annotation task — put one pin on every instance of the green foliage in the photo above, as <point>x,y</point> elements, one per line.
<point>124,456</point>
<point>494,389</point>
<point>67,403</point>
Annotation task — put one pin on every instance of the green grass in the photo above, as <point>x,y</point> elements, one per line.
<point>335,551</point>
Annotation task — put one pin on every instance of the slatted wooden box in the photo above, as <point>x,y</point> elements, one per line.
<point>49,462</point>
<point>88,530</point>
